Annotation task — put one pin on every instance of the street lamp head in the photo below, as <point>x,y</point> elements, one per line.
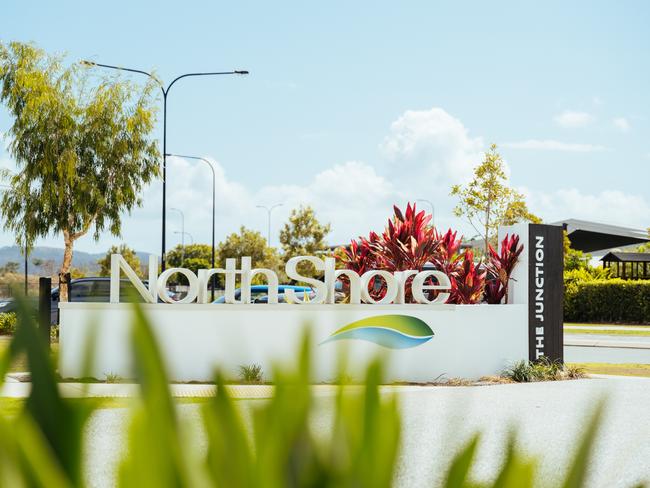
<point>241,72</point>
<point>85,62</point>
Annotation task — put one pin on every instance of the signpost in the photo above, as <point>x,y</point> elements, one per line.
<point>420,341</point>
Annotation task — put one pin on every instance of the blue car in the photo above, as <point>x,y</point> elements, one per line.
<point>259,293</point>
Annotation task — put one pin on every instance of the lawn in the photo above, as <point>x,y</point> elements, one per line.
<point>636,333</point>
<point>10,407</point>
<point>639,330</point>
<point>20,364</point>
<point>627,369</point>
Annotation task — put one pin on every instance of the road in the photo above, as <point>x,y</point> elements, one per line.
<point>606,348</point>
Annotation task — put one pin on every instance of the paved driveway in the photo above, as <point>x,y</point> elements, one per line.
<point>549,417</point>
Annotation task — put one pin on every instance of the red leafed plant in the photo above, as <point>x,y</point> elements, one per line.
<point>500,266</point>
<point>446,259</point>
<point>408,242</point>
<point>468,281</point>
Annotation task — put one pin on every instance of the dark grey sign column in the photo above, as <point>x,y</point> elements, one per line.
<point>545,292</point>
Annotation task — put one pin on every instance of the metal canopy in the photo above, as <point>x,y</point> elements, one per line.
<point>593,236</point>
<point>626,257</point>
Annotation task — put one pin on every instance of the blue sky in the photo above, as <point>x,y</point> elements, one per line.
<point>351,107</point>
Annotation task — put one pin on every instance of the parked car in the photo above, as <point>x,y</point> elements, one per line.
<point>7,305</point>
<point>259,291</point>
<point>97,289</point>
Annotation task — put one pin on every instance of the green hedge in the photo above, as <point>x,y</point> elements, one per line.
<point>611,301</point>
<point>7,323</point>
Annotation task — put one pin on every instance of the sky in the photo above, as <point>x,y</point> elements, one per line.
<point>352,107</point>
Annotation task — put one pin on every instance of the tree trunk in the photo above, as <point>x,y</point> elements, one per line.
<point>65,265</point>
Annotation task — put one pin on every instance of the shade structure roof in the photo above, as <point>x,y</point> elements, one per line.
<point>627,257</point>
<point>589,236</point>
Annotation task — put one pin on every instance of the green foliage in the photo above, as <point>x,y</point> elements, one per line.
<point>191,256</point>
<point>251,243</point>
<point>487,201</point>
<point>127,253</point>
<point>574,259</point>
<point>7,323</point>
<point>41,445</point>
<point>82,148</point>
<point>544,369</point>
<point>611,301</point>
<point>303,235</point>
<point>251,373</point>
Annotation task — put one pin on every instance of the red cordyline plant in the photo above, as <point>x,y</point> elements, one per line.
<point>500,266</point>
<point>408,242</point>
<point>468,281</point>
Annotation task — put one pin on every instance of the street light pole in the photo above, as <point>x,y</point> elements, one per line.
<point>432,210</point>
<point>165,92</point>
<point>268,211</point>
<point>214,185</point>
<point>182,234</point>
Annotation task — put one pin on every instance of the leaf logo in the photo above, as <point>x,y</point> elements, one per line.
<point>390,331</point>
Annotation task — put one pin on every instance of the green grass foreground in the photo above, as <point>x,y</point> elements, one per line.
<point>626,369</point>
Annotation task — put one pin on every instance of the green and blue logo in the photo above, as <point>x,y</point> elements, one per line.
<point>391,331</point>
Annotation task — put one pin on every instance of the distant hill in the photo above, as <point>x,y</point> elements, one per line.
<point>80,259</point>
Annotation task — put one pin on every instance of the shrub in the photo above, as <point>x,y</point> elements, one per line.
<point>612,301</point>
<point>250,373</point>
<point>500,266</point>
<point>7,323</point>
<point>544,369</point>
<point>410,242</point>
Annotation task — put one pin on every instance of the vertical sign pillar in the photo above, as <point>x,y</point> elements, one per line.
<point>545,292</point>
<point>45,307</point>
<point>538,282</point>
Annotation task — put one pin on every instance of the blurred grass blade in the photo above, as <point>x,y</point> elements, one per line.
<point>577,474</point>
<point>60,420</point>
<point>31,457</point>
<point>516,471</point>
<point>460,466</point>
<point>155,447</point>
<point>229,458</point>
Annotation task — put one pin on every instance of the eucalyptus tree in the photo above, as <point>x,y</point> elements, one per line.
<point>82,148</point>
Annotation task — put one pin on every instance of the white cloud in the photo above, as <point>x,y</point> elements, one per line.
<point>426,151</point>
<point>553,145</point>
<point>570,119</point>
<point>609,206</point>
<point>621,123</point>
<point>432,146</point>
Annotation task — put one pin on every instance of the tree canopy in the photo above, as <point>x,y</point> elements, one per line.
<point>82,148</point>
<point>251,243</point>
<point>190,256</point>
<point>487,201</point>
<point>303,235</point>
<point>127,253</point>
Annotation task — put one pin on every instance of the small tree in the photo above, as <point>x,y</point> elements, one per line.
<point>487,201</point>
<point>303,235</point>
<point>11,267</point>
<point>83,152</point>
<point>190,256</point>
<point>127,253</point>
<point>251,243</point>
